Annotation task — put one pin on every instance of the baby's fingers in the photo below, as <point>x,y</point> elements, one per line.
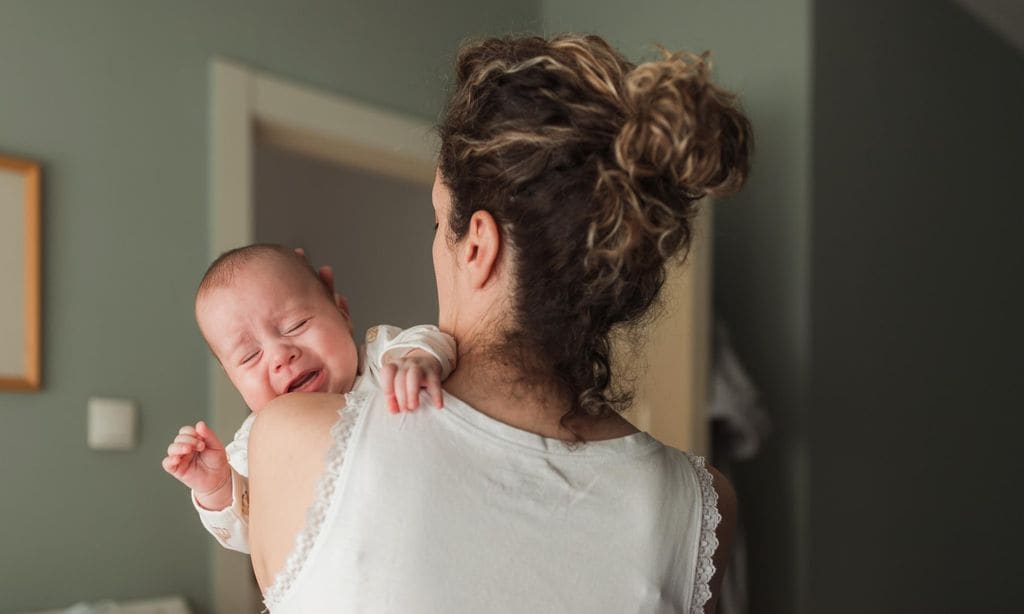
<point>196,442</point>
<point>413,383</point>
<point>180,449</point>
<point>177,466</point>
<point>388,379</point>
<point>170,463</point>
<point>400,390</point>
<point>434,389</point>
<point>208,437</point>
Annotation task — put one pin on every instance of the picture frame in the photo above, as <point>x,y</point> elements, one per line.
<point>20,272</point>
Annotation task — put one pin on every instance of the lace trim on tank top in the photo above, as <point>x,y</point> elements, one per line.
<point>355,404</point>
<point>710,517</point>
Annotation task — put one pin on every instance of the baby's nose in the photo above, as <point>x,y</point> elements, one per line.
<point>286,356</point>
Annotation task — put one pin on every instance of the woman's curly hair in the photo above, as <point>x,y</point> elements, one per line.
<point>591,166</point>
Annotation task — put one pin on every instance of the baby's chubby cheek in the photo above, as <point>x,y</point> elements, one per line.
<point>342,383</point>
<point>257,399</point>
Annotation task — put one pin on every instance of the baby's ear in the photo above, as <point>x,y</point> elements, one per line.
<point>342,304</point>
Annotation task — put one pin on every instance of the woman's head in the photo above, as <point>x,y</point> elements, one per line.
<point>587,168</point>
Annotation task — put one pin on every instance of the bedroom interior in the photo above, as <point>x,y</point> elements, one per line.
<point>865,274</point>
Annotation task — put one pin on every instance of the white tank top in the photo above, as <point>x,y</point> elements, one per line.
<point>454,512</point>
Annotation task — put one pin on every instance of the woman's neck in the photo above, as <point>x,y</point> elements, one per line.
<point>494,391</point>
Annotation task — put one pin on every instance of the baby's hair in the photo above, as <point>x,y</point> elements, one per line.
<point>227,266</point>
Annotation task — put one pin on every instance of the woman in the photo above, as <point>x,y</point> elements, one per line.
<point>567,179</point>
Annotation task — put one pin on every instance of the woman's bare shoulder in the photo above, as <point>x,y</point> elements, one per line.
<point>294,416</point>
<point>287,451</point>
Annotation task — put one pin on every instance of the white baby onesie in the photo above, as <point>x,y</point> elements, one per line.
<point>230,526</point>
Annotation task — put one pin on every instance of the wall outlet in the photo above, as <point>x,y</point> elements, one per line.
<point>112,424</point>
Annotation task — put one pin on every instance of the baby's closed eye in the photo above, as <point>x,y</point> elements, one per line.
<point>295,328</point>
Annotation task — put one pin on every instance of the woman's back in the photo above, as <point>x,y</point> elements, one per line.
<point>453,511</point>
<point>567,179</point>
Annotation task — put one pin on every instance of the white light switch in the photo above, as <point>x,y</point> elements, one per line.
<point>111,424</point>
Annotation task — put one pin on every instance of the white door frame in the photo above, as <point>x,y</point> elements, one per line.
<point>246,105</point>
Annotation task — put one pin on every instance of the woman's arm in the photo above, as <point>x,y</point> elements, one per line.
<point>288,448</point>
<point>724,533</point>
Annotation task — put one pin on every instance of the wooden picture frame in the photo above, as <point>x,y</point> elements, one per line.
<point>19,274</point>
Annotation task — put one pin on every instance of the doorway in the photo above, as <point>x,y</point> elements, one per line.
<point>376,231</point>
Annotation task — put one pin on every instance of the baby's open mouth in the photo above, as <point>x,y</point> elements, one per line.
<point>302,380</point>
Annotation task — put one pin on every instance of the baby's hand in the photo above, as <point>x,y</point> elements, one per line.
<point>404,376</point>
<point>197,459</point>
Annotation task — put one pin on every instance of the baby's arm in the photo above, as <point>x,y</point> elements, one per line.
<point>216,475</point>
<point>407,361</point>
<point>230,525</point>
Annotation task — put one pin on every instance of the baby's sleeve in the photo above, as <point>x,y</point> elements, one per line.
<point>382,339</point>
<point>230,526</point>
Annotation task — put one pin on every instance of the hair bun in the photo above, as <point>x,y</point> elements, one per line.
<point>591,165</point>
<point>680,125</point>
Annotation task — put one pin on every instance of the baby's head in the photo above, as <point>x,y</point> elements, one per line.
<point>274,325</point>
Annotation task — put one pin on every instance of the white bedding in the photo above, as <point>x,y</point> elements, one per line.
<point>163,605</point>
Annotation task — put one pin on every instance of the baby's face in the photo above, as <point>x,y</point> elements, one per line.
<point>274,334</point>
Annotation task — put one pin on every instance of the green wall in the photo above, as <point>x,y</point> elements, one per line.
<point>112,98</point>
<point>762,241</point>
<point>917,303</point>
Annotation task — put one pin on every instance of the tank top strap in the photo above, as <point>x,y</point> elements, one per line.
<point>709,519</point>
